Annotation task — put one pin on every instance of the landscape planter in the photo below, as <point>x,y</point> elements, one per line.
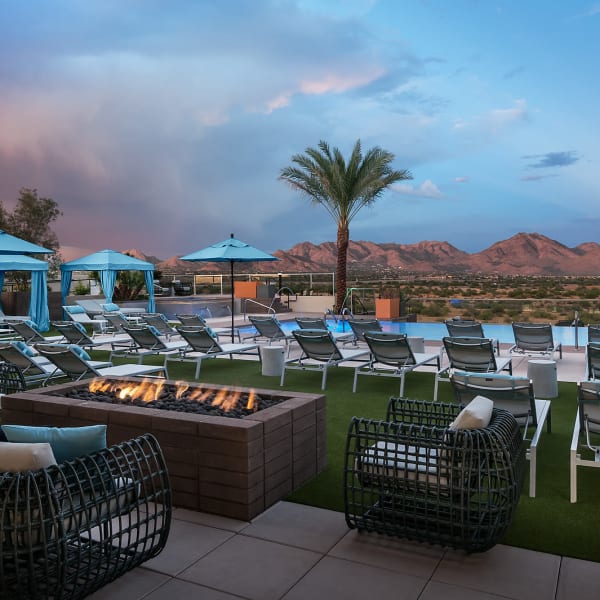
<point>387,308</point>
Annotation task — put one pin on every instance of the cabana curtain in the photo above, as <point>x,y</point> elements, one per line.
<point>108,263</point>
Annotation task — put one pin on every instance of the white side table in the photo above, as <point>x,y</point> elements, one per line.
<point>272,358</point>
<point>544,378</point>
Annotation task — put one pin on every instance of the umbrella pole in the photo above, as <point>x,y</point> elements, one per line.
<point>232,303</point>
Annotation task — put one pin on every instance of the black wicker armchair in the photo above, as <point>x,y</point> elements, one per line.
<point>412,476</point>
<point>69,529</point>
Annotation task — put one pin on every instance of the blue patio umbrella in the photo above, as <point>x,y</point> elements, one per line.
<point>231,251</point>
<point>9,244</point>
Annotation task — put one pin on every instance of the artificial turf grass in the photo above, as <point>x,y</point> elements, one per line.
<point>547,523</point>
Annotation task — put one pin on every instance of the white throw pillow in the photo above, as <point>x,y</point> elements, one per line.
<point>475,415</point>
<point>15,456</point>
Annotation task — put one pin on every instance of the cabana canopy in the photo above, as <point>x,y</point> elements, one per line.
<point>108,263</point>
<point>38,304</point>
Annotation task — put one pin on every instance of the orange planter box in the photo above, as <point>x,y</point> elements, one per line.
<point>245,289</point>
<point>387,308</point>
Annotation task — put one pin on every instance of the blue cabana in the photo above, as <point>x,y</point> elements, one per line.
<point>38,304</point>
<point>108,263</point>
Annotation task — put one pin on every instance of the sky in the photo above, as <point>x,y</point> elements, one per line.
<point>163,125</point>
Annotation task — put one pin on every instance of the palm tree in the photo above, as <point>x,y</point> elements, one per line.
<point>343,189</point>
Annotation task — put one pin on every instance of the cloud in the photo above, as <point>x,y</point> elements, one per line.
<point>514,72</point>
<point>427,189</point>
<point>537,177</point>
<point>495,120</point>
<point>553,159</point>
<point>461,179</point>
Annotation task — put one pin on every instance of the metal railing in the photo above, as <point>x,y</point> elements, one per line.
<point>268,309</point>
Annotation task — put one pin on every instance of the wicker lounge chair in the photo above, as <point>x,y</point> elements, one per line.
<point>587,425</point>
<point>70,361</point>
<point>203,345</point>
<point>474,355</point>
<point>319,352</point>
<point>514,394</point>
<point>391,356</point>
<point>69,529</point>
<point>534,339</point>
<point>415,476</point>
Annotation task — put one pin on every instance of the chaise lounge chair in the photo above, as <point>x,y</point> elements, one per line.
<point>28,333</point>
<point>35,368</point>
<point>535,339</point>
<point>160,323</point>
<point>592,359</point>
<point>587,422</point>
<point>468,328</point>
<point>77,314</point>
<point>361,326</point>
<point>514,394</point>
<point>126,310</point>
<point>198,321</point>
<point>74,362</point>
<point>269,328</point>
<point>143,341</point>
<point>391,356</point>
<point>319,323</point>
<point>474,355</point>
<point>75,333</point>
<point>319,352</point>
<point>202,345</point>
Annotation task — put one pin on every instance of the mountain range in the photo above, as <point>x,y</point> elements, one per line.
<point>522,254</point>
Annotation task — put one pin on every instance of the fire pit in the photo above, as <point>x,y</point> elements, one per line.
<point>230,451</point>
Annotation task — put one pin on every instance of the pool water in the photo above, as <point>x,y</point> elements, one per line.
<point>436,331</point>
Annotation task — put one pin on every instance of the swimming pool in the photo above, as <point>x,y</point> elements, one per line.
<point>436,331</point>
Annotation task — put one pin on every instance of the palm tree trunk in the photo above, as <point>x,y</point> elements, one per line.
<point>343,236</point>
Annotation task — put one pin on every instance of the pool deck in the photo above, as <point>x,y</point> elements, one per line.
<point>295,552</point>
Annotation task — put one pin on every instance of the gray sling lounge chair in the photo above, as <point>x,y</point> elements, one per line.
<point>593,332</point>
<point>474,355</point>
<point>391,356</point>
<point>360,326</point>
<point>69,361</point>
<point>202,345</point>
<point>514,394</point>
<point>587,423</point>
<point>468,328</point>
<point>319,352</point>
<point>145,342</point>
<point>269,328</point>
<point>160,323</point>
<point>29,334</point>
<point>535,339</point>
<point>75,333</point>
<point>319,323</point>
<point>36,369</point>
<point>592,356</point>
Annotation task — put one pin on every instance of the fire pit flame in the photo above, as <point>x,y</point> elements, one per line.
<point>150,390</point>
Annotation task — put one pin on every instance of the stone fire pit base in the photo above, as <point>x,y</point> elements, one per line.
<point>221,465</point>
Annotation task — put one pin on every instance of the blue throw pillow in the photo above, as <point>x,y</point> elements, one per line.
<point>80,352</point>
<point>24,348</point>
<point>66,442</point>
<point>75,309</point>
<point>111,307</point>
